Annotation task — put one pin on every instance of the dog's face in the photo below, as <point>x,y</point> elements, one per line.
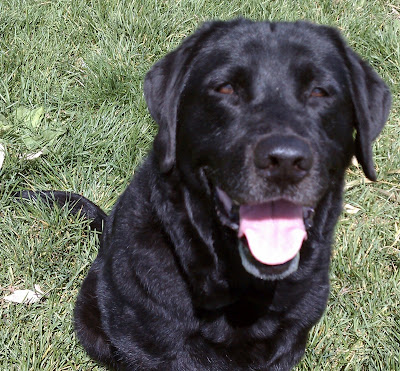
<point>251,104</point>
<point>261,117</point>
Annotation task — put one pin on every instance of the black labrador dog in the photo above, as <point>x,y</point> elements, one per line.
<point>216,256</point>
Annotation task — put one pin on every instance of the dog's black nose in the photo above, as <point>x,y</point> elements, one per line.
<point>284,158</point>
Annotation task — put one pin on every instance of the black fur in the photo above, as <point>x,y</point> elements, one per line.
<point>168,290</point>
<point>77,204</point>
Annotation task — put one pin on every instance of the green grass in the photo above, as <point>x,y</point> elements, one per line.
<point>84,63</point>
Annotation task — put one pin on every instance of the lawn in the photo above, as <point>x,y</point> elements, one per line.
<point>73,117</point>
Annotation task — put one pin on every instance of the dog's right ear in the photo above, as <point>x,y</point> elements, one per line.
<point>163,86</point>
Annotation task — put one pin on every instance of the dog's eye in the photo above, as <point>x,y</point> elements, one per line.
<point>318,93</point>
<point>226,89</point>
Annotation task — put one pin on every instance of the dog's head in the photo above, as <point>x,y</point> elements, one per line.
<point>262,117</point>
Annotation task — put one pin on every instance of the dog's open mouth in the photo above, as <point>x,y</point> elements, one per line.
<point>270,234</point>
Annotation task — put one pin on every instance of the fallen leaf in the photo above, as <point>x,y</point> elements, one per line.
<point>350,209</point>
<point>29,127</point>
<point>32,156</point>
<point>30,142</point>
<point>25,296</point>
<point>4,126</point>
<point>21,113</point>
<point>36,117</point>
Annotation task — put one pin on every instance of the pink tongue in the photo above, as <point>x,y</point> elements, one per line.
<point>274,230</point>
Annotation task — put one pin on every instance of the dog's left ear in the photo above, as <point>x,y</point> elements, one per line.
<point>372,100</point>
<point>163,87</point>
